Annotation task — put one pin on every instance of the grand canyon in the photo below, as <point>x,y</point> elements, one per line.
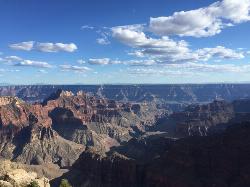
<point>126,135</point>
<point>124,93</point>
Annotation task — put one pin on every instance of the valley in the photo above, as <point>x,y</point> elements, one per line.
<point>100,137</point>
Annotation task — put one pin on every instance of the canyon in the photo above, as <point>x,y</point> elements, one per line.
<point>135,135</point>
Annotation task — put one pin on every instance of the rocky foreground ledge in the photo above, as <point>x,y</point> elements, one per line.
<point>14,175</point>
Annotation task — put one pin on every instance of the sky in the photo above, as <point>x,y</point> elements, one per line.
<point>124,42</point>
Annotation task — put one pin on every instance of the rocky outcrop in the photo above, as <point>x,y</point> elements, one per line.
<point>49,170</point>
<point>26,136</point>
<point>200,120</point>
<point>12,176</point>
<point>66,123</point>
<point>216,160</point>
<point>9,100</point>
<point>21,178</point>
<point>89,120</point>
<point>39,145</point>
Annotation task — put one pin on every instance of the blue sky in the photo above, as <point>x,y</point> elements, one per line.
<point>116,41</point>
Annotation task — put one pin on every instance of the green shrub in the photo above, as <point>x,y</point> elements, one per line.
<point>65,183</point>
<point>33,184</point>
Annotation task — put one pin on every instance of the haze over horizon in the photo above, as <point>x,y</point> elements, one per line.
<point>136,42</point>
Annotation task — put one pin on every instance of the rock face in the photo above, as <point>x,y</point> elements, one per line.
<point>66,123</point>
<point>26,135</point>
<point>12,175</point>
<point>118,143</point>
<point>201,120</point>
<point>122,166</point>
<point>216,160</point>
<point>9,100</point>
<point>49,171</point>
<point>198,119</point>
<point>21,178</point>
<point>92,121</point>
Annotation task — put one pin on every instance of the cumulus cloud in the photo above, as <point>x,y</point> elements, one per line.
<point>202,22</point>
<point>77,69</point>
<point>18,61</point>
<point>220,52</point>
<point>167,50</point>
<point>25,46</point>
<point>56,47</point>
<point>32,63</point>
<point>148,45</point>
<point>44,47</point>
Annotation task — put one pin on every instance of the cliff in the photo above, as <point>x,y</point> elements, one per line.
<point>216,160</point>
<point>67,123</point>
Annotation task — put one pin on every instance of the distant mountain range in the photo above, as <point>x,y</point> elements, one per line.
<point>170,95</point>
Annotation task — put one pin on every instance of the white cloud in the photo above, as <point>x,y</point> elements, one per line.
<point>103,32</point>
<point>166,50</point>
<point>44,47</point>
<point>77,69</point>
<point>138,39</point>
<point>220,52</point>
<point>100,61</point>
<point>131,37</point>
<point>146,62</point>
<point>107,61</point>
<point>104,36</point>
<point>9,70</point>
<point>56,47</point>
<point>32,63</point>
<point>102,41</point>
<point>11,59</point>
<point>203,22</point>
<point>42,71</point>
<point>18,61</point>
<point>81,61</point>
<point>133,27</point>
<point>189,69</point>
<point>25,46</point>
<point>87,27</point>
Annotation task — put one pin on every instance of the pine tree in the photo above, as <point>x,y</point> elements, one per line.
<point>65,183</point>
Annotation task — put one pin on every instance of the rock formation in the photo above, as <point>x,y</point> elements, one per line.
<point>202,119</point>
<point>13,176</point>
<point>66,123</point>
<point>171,97</point>
<point>215,160</point>
<point>119,143</point>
